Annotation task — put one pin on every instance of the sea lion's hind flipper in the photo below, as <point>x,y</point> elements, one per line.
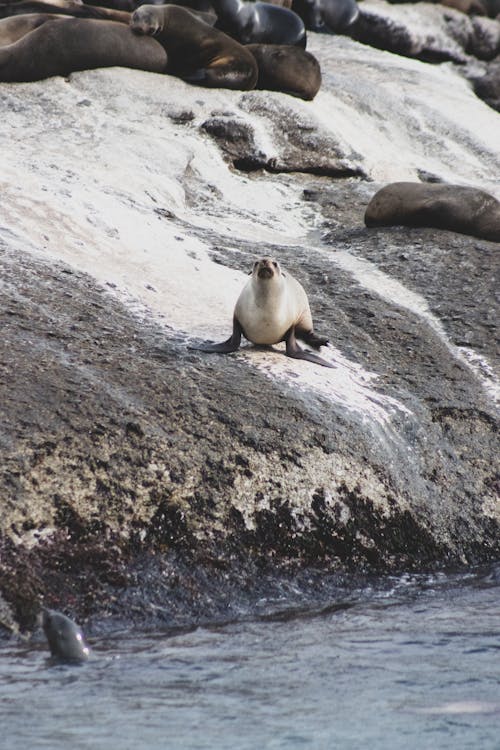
<point>293,350</point>
<point>231,345</point>
<point>310,338</point>
<point>226,73</point>
<point>198,76</point>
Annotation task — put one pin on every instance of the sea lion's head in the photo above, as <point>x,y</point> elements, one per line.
<point>64,637</point>
<point>146,20</point>
<point>265,269</point>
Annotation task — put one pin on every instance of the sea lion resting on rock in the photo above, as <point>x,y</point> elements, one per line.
<point>327,15</point>
<point>259,22</point>
<point>454,207</point>
<point>15,27</point>
<point>291,70</point>
<point>201,8</point>
<point>63,45</point>
<point>197,53</point>
<point>272,307</point>
<point>64,637</point>
<point>62,7</point>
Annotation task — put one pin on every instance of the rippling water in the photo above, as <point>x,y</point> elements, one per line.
<point>410,662</point>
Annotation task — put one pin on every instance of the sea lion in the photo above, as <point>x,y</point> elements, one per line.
<point>335,16</point>
<point>455,207</point>
<point>62,7</point>
<point>199,6</point>
<point>202,9</point>
<point>125,5</point>
<point>15,27</point>
<point>259,22</point>
<point>272,307</point>
<point>291,70</point>
<point>64,637</point>
<point>61,46</point>
<point>197,53</point>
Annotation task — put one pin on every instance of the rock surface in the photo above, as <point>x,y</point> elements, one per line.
<point>143,481</point>
<point>428,31</point>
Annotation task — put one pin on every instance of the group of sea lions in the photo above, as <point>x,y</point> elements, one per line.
<point>249,45</point>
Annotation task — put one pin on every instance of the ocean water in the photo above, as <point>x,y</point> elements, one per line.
<point>408,663</point>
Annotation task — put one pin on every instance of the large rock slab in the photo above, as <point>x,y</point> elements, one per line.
<point>139,476</point>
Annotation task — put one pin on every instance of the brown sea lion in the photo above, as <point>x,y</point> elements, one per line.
<point>272,307</point>
<point>286,68</point>
<point>455,207</point>
<point>61,46</point>
<point>62,7</point>
<point>197,53</point>
<point>15,27</point>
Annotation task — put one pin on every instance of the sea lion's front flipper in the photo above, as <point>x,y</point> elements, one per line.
<point>294,350</point>
<point>225,347</point>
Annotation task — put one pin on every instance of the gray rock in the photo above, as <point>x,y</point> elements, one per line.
<point>429,31</point>
<point>147,482</point>
<point>487,86</point>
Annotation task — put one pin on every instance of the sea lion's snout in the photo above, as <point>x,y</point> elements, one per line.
<point>266,268</point>
<point>265,272</point>
<point>142,23</point>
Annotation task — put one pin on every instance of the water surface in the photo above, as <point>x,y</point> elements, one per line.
<point>410,662</point>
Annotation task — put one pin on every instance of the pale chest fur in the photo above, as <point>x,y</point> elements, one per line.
<point>267,309</point>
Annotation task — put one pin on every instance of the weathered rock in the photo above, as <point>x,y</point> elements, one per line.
<point>427,31</point>
<point>141,480</point>
<point>487,86</point>
<point>485,41</point>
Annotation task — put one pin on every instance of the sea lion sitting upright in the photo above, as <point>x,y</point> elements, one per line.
<point>197,53</point>
<point>272,307</point>
<point>259,22</point>
<point>64,637</point>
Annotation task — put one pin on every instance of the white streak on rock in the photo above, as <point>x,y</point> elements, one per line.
<point>375,280</point>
